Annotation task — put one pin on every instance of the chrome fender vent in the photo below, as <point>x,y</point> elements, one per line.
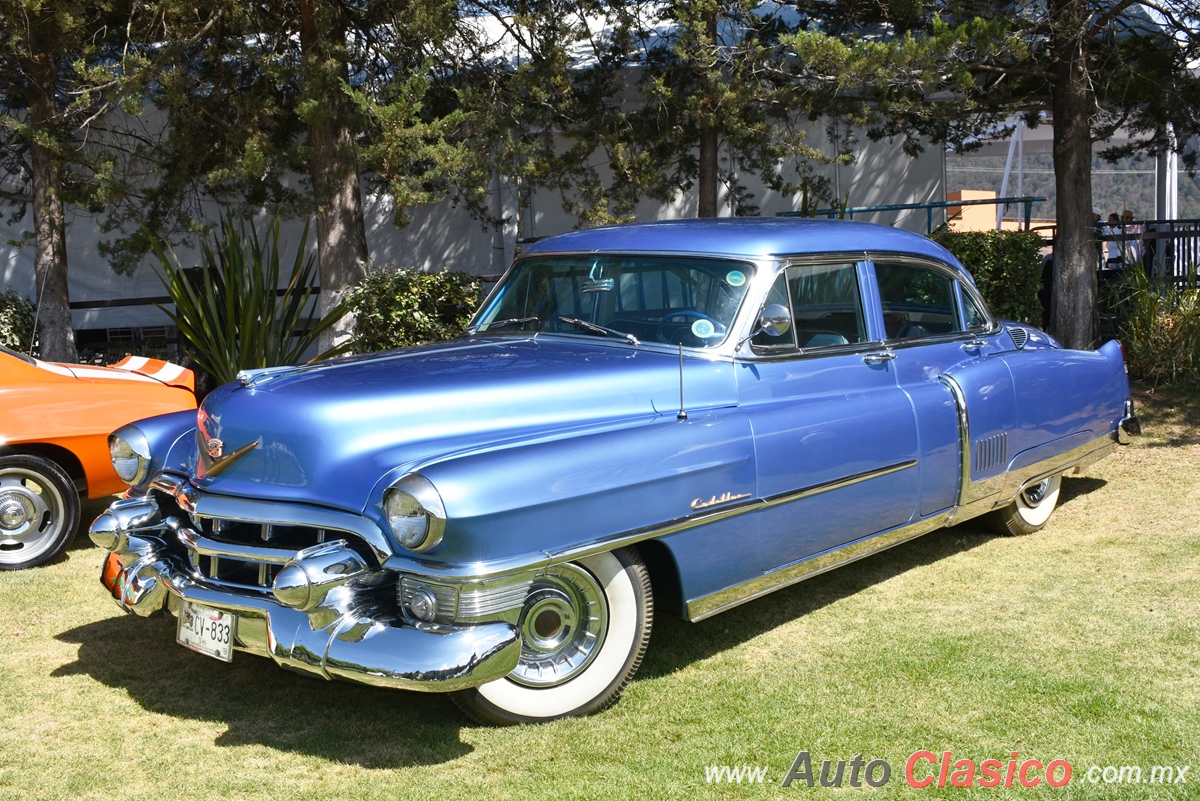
<point>1019,336</point>
<point>991,451</point>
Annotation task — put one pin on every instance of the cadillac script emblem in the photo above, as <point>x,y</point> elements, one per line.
<point>717,500</point>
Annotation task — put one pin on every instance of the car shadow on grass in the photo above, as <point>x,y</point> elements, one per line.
<point>259,703</point>
<point>676,643</point>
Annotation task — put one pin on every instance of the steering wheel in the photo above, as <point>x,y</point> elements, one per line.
<point>718,328</point>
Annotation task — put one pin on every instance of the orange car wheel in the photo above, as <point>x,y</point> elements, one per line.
<point>39,511</point>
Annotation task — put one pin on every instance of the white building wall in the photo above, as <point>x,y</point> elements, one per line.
<point>445,236</point>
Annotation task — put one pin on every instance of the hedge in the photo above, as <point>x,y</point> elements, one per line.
<point>396,307</point>
<point>16,321</point>
<point>1007,266</point>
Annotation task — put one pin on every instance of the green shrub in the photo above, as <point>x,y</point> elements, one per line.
<point>394,307</point>
<point>16,322</point>
<point>1160,329</point>
<point>1007,266</point>
<point>235,317</point>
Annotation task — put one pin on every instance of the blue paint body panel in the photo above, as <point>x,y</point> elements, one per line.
<point>559,441</point>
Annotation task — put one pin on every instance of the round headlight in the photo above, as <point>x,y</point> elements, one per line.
<point>407,518</point>
<point>130,454</point>
<point>415,513</point>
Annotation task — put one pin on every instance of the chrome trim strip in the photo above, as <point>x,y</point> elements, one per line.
<point>721,600</point>
<point>964,444</point>
<point>486,570</point>
<point>838,483</point>
<point>203,546</point>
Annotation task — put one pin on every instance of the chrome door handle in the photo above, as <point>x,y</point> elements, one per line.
<point>974,344</point>
<point>879,356</point>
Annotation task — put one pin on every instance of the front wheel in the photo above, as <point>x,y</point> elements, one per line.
<point>584,628</point>
<point>39,511</point>
<point>1030,510</point>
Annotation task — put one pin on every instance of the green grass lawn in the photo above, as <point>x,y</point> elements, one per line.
<point>1081,642</point>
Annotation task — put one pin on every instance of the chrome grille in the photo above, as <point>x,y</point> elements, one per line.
<point>249,555</point>
<point>1019,336</point>
<point>491,601</point>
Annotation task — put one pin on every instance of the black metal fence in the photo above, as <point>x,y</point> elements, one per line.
<point>1168,250</point>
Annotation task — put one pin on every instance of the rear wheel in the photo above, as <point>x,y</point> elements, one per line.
<point>584,628</point>
<point>1030,510</point>
<point>39,511</point>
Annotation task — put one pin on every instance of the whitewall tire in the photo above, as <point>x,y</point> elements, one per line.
<point>584,628</point>
<point>1030,510</point>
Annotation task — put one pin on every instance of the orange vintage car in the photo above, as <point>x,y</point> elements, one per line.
<point>54,425</point>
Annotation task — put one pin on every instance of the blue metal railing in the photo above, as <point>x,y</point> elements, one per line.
<point>1027,201</point>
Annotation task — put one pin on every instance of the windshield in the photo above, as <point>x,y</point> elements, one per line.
<point>667,299</point>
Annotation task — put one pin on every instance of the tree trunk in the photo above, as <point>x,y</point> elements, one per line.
<point>707,177</point>
<point>56,337</point>
<point>333,165</point>
<point>1075,254</point>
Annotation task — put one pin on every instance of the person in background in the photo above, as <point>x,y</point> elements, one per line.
<point>1113,246</point>
<point>1131,248</point>
<point>1097,232</point>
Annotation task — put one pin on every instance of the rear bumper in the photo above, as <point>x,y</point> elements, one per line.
<point>352,633</point>
<point>1130,426</point>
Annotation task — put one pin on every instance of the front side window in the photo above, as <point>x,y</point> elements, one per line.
<point>825,306</point>
<point>917,301</point>
<point>670,300</point>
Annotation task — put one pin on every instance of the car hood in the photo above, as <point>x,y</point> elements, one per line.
<point>329,434</point>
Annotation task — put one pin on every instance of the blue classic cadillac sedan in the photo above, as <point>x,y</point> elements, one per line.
<point>684,414</point>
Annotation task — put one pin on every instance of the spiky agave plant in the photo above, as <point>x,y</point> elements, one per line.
<point>237,316</point>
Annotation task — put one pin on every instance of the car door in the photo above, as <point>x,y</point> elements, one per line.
<point>944,343</point>
<point>835,438</point>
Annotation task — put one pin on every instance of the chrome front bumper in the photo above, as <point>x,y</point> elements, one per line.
<point>338,625</point>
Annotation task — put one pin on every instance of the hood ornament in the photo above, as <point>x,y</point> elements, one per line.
<point>213,460</point>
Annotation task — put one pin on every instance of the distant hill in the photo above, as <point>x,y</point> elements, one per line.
<point>1127,184</point>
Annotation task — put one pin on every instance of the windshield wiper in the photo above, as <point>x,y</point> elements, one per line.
<point>502,323</point>
<point>602,330</point>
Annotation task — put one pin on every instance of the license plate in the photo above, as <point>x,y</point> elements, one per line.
<point>209,631</point>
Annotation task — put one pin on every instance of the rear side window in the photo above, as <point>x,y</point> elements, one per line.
<point>917,301</point>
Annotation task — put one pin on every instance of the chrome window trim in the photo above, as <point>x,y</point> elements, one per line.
<point>994,326</point>
<point>793,351</point>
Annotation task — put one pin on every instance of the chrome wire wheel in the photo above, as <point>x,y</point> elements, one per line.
<point>562,626</point>
<point>39,511</point>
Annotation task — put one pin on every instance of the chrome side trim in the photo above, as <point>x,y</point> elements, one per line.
<point>461,572</point>
<point>966,492</point>
<point>721,600</point>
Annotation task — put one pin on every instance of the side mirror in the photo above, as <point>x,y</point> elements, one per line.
<point>775,320</point>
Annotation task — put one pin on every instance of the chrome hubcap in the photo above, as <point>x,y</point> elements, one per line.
<point>31,514</point>
<point>562,626</point>
<point>16,513</point>
<point>1037,493</point>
